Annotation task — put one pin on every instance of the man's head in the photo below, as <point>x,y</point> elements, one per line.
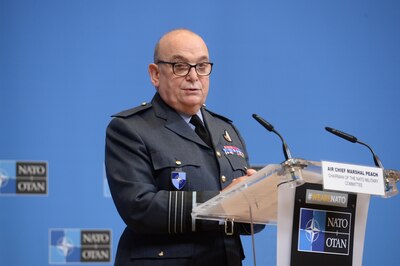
<point>186,94</point>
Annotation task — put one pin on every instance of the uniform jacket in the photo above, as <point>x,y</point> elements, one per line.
<point>145,146</point>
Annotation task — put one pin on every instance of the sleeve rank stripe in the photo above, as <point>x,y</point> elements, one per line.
<point>182,213</point>
<point>169,213</point>
<point>194,203</point>
<point>179,211</point>
<point>175,211</point>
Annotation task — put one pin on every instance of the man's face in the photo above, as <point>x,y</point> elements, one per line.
<point>185,94</point>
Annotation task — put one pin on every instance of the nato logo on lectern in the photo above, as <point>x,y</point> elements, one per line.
<point>23,178</point>
<point>324,231</point>
<point>71,246</point>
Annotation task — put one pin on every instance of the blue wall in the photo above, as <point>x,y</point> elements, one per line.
<point>67,65</point>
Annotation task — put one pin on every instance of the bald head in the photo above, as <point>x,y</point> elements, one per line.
<point>169,37</point>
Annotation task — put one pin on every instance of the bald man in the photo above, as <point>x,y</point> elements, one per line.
<point>164,157</point>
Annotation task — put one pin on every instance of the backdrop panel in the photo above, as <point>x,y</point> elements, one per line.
<point>67,65</point>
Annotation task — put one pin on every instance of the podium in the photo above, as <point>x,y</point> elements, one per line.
<point>315,226</point>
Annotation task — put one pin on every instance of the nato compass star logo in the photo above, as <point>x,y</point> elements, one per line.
<point>178,179</point>
<point>7,183</point>
<point>65,246</point>
<point>3,178</point>
<point>312,230</point>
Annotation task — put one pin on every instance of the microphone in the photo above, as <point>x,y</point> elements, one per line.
<point>353,139</point>
<point>270,128</point>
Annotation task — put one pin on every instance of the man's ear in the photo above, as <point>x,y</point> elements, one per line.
<point>154,74</point>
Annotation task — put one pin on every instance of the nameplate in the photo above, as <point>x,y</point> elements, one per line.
<point>353,178</point>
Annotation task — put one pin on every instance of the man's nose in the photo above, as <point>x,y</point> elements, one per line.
<point>192,75</point>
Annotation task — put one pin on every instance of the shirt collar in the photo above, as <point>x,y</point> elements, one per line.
<point>188,117</point>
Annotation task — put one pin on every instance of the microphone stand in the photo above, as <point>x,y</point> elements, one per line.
<point>292,167</point>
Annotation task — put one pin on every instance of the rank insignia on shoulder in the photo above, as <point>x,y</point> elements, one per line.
<point>178,179</point>
<point>227,137</point>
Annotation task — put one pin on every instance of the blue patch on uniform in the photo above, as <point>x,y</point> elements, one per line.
<point>178,179</point>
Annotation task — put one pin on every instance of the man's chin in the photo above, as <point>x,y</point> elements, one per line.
<point>192,108</point>
<point>193,99</point>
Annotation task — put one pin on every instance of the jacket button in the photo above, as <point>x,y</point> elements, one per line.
<point>223,179</point>
<point>218,154</point>
<point>161,253</point>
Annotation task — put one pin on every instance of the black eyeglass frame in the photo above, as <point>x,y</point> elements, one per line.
<point>190,67</point>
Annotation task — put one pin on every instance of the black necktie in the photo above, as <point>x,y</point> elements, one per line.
<point>201,130</point>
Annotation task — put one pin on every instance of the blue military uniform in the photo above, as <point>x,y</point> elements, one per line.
<point>146,148</point>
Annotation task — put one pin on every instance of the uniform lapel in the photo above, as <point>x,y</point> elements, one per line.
<point>176,124</point>
<point>173,121</point>
<point>212,127</point>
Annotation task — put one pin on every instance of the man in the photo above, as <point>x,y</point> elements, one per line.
<point>158,167</point>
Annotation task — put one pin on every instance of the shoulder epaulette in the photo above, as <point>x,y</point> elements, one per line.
<point>134,110</point>
<point>220,116</point>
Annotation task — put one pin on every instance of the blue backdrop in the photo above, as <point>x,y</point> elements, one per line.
<point>67,65</point>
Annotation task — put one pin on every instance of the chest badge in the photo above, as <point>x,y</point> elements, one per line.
<point>233,150</point>
<point>227,137</point>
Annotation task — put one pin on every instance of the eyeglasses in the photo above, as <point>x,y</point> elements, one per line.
<point>181,69</point>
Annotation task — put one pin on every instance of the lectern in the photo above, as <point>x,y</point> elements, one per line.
<point>315,226</point>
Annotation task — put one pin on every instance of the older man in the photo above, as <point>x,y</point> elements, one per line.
<point>164,157</point>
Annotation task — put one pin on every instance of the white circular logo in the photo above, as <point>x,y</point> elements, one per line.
<point>65,246</point>
<point>3,178</point>
<point>312,230</point>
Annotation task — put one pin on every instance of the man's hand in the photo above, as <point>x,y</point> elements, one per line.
<point>249,172</point>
